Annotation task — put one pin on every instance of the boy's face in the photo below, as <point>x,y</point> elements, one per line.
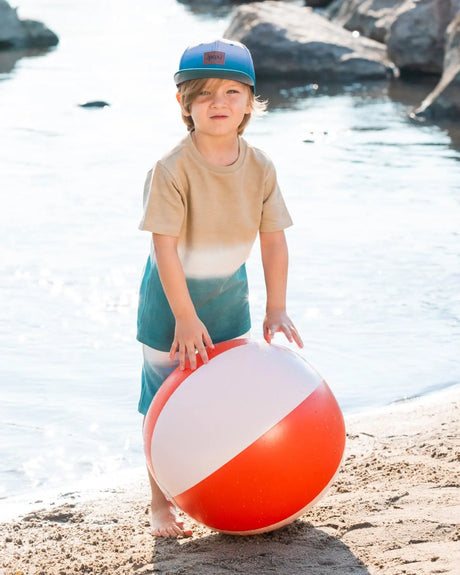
<point>220,107</point>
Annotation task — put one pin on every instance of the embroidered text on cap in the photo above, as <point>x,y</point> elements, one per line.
<point>214,58</point>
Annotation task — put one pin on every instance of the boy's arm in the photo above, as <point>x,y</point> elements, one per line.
<point>274,252</point>
<point>190,334</point>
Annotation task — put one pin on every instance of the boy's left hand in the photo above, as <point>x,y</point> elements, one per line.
<point>279,321</point>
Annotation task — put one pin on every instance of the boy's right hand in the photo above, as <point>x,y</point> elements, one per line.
<point>190,337</point>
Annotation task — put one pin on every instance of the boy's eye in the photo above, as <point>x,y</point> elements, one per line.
<point>204,93</point>
<point>233,91</point>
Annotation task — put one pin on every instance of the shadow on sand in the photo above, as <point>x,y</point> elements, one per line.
<point>297,548</point>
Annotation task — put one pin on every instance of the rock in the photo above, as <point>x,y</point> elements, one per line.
<point>8,59</point>
<point>202,5</point>
<point>94,104</point>
<point>416,37</point>
<point>16,33</point>
<point>10,25</point>
<point>371,18</point>
<point>293,42</point>
<point>444,100</point>
<point>38,35</point>
<point>217,7</point>
<point>317,3</point>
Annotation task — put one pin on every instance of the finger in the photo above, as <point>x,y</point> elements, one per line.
<point>287,332</point>
<point>207,340</point>
<point>173,350</point>
<point>182,356</point>
<point>297,337</point>
<point>202,351</point>
<point>191,356</point>
<point>267,334</point>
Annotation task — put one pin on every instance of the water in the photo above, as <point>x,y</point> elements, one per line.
<point>374,253</point>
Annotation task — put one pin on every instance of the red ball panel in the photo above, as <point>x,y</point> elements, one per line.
<point>278,475</point>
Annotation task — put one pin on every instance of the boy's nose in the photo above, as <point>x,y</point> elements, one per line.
<point>217,99</point>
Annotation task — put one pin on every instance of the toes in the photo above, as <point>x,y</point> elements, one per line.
<point>172,531</point>
<point>164,532</point>
<point>166,525</point>
<point>183,531</point>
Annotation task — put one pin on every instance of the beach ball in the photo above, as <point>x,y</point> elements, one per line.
<point>247,442</point>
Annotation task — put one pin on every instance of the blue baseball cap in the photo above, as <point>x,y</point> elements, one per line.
<point>219,59</point>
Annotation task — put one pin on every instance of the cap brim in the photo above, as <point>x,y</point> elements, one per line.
<point>196,73</point>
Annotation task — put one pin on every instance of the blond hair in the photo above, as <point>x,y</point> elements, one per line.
<point>190,89</point>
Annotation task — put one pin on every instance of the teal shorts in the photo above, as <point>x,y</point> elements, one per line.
<point>155,369</point>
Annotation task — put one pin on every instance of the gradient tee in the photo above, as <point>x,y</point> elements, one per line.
<point>216,213</point>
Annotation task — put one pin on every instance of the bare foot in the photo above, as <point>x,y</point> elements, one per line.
<point>162,514</point>
<point>164,523</point>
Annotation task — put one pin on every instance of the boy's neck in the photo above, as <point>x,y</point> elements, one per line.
<point>220,151</point>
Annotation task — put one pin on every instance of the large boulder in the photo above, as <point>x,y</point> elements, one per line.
<point>317,3</point>
<point>444,100</point>
<point>16,33</point>
<point>293,42</point>
<point>416,37</point>
<point>217,6</point>
<point>371,18</point>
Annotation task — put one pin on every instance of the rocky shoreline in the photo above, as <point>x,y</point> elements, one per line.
<point>18,34</point>
<point>292,42</point>
<point>354,41</point>
<point>317,41</point>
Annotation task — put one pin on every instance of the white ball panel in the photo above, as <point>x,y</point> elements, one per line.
<point>217,411</point>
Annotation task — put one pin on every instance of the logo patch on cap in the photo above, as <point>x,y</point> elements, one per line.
<point>214,58</point>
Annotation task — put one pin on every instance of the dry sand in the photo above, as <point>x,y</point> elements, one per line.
<point>393,509</point>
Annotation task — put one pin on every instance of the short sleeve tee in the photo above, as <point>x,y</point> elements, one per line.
<point>216,213</point>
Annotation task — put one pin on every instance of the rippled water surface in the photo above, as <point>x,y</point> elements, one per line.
<point>375,266</point>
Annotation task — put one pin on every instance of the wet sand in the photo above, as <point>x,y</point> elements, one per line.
<point>393,509</point>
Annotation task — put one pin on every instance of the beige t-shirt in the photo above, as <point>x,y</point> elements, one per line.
<point>215,211</point>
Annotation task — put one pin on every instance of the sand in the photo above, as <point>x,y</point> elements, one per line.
<point>393,509</point>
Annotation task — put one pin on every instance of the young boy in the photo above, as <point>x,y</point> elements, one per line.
<point>204,203</point>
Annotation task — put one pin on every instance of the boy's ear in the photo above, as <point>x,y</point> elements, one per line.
<point>249,104</point>
<point>178,98</point>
